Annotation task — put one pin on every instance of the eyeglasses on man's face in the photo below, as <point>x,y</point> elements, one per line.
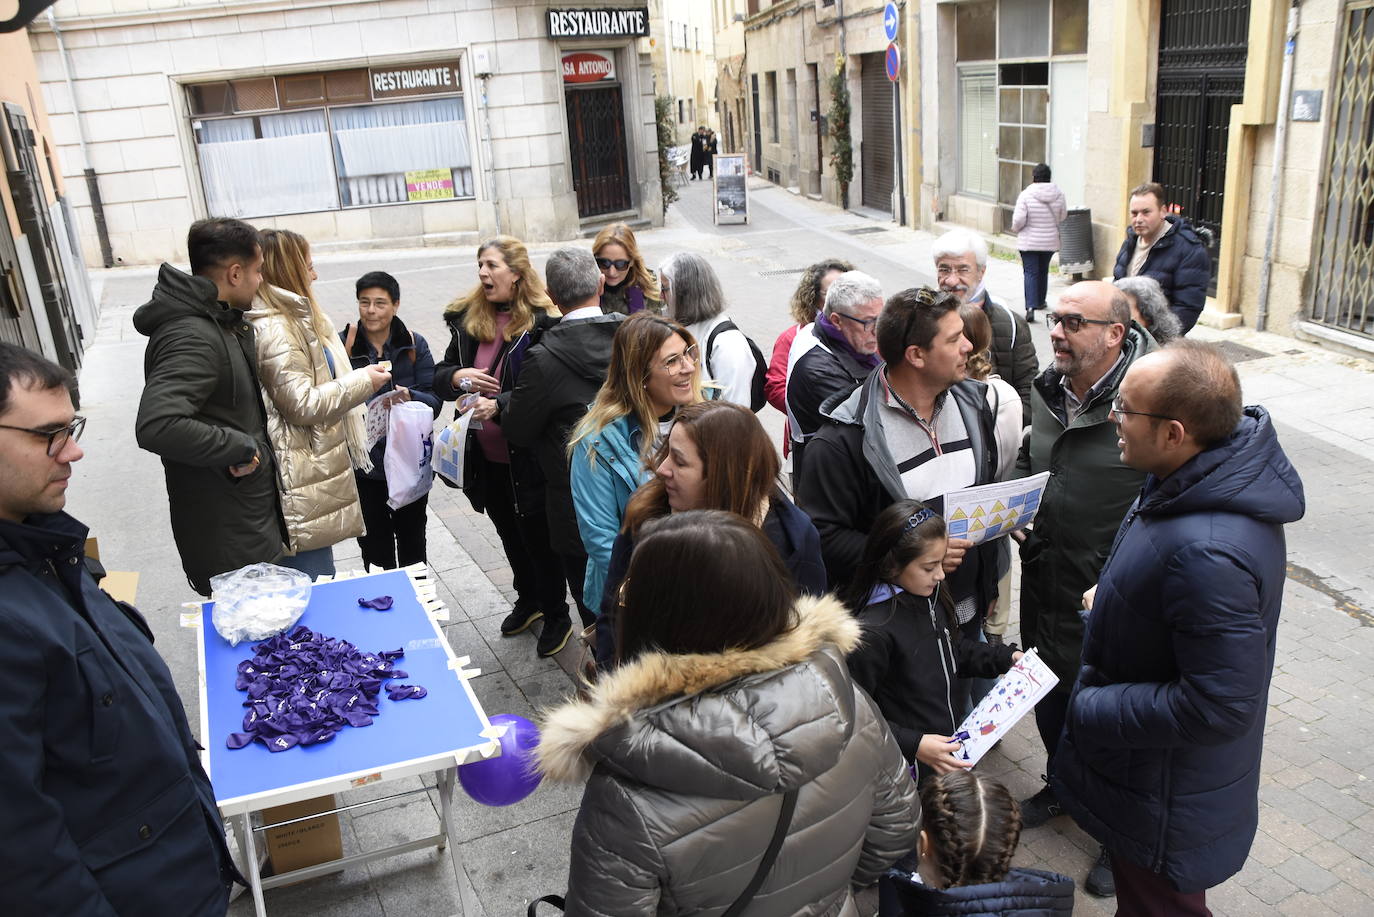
<point>57,439</point>
<point>1073,322</point>
<point>619,264</point>
<point>963,271</point>
<point>1119,409</point>
<point>864,323</point>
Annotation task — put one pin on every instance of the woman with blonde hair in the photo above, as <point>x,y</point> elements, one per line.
<point>313,399</point>
<point>490,330</point>
<point>630,286</point>
<point>654,370</point>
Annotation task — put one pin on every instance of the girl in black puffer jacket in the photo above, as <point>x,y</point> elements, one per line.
<point>970,826</point>
<point>911,652</point>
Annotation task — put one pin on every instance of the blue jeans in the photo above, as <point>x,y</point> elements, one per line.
<point>1035,268</point>
<point>316,563</point>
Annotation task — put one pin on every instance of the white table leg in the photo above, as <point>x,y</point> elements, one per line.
<point>250,856</point>
<point>446,779</point>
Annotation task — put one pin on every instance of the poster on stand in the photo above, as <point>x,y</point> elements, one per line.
<point>730,189</point>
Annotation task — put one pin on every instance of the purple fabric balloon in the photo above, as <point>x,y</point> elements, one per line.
<point>505,779</point>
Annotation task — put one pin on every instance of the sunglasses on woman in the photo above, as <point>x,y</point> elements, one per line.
<point>619,263</point>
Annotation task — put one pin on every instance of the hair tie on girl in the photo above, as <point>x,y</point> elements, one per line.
<point>924,514</point>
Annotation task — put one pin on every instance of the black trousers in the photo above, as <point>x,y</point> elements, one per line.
<point>1050,715</point>
<point>537,571</point>
<point>575,572</point>
<point>393,535</point>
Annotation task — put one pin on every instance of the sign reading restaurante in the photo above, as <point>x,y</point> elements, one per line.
<point>598,23</point>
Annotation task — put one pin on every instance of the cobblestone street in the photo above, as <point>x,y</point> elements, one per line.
<point>1314,854</point>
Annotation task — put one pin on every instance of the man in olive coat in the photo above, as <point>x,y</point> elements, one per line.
<point>201,408</point>
<point>1087,496</point>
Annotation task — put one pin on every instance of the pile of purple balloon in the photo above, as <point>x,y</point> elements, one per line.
<point>304,687</point>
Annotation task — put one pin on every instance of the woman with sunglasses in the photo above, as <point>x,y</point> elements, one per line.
<point>731,765</point>
<point>490,328</point>
<point>653,371</point>
<point>630,286</point>
<point>716,456</point>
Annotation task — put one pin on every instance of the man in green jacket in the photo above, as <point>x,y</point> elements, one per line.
<point>201,408</point>
<point>1089,491</point>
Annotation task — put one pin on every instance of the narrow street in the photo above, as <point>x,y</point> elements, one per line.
<point>1315,852</point>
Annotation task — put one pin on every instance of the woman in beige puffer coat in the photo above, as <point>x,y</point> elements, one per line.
<point>313,401</point>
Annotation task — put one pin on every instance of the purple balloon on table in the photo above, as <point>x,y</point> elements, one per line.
<point>507,778</point>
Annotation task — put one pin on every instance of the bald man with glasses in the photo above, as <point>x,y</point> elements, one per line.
<point>1088,493</point>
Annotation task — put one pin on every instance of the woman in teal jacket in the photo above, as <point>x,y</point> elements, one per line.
<point>654,370</point>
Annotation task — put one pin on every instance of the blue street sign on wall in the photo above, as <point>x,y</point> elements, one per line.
<point>890,21</point>
<point>893,59</point>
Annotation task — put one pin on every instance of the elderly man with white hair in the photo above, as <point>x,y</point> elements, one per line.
<point>831,356</point>
<point>961,260</point>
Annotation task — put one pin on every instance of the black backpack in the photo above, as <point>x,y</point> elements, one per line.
<point>757,399</point>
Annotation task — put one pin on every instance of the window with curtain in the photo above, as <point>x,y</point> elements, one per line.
<point>266,165</point>
<point>978,132</point>
<point>376,145</point>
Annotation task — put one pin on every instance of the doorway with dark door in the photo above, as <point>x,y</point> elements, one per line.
<point>1202,52</point>
<point>875,153</point>
<point>596,135</point>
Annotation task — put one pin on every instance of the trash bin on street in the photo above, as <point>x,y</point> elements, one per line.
<point>1076,242</point>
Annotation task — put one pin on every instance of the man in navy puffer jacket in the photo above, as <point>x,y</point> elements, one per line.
<point>1167,248</point>
<point>1160,754</point>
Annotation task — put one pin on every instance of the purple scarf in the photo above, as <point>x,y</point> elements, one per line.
<point>837,340</point>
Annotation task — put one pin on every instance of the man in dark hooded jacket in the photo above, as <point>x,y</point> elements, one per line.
<point>106,810</point>
<point>560,376</point>
<point>201,408</point>
<point>1167,248</point>
<point>1160,756</point>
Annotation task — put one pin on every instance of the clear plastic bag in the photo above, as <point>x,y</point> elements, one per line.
<point>258,601</point>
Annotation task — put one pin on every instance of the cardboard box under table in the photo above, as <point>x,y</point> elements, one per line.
<point>434,734</point>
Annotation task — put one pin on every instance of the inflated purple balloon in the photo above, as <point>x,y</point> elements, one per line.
<point>505,779</point>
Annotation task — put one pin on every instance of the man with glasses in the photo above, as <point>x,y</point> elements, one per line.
<point>1160,757</point>
<point>916,428</point>
<point>201,408</point>
<point>560,376</point>
<point>107,809</point>
<point>961,261</point>
<point>832,355</point>
<point>1095,342</point>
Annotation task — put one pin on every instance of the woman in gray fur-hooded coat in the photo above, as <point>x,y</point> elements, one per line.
<point>688,747</point>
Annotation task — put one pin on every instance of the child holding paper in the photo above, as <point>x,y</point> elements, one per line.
<point>912,654</point>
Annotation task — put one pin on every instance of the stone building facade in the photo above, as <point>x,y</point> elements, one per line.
<point>354,122</point>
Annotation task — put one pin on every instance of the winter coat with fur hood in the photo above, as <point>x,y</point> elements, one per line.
<point>689,757</point>
<point>306,405</point>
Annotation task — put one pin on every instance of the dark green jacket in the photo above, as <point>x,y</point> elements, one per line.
<point>1087,496</point>
<point>201,411</point>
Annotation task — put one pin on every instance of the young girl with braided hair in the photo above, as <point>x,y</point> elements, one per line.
<point>970,826</point>
<point>912,655</point>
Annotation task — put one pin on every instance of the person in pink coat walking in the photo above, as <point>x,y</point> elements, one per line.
<point>1040,208</point>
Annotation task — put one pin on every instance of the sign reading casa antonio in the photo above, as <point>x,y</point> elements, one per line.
<point>600,23</point>
<point>588,66</point>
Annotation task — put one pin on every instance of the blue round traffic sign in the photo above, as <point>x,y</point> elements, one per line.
<point>891,20</point>
<point>893,59</point>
